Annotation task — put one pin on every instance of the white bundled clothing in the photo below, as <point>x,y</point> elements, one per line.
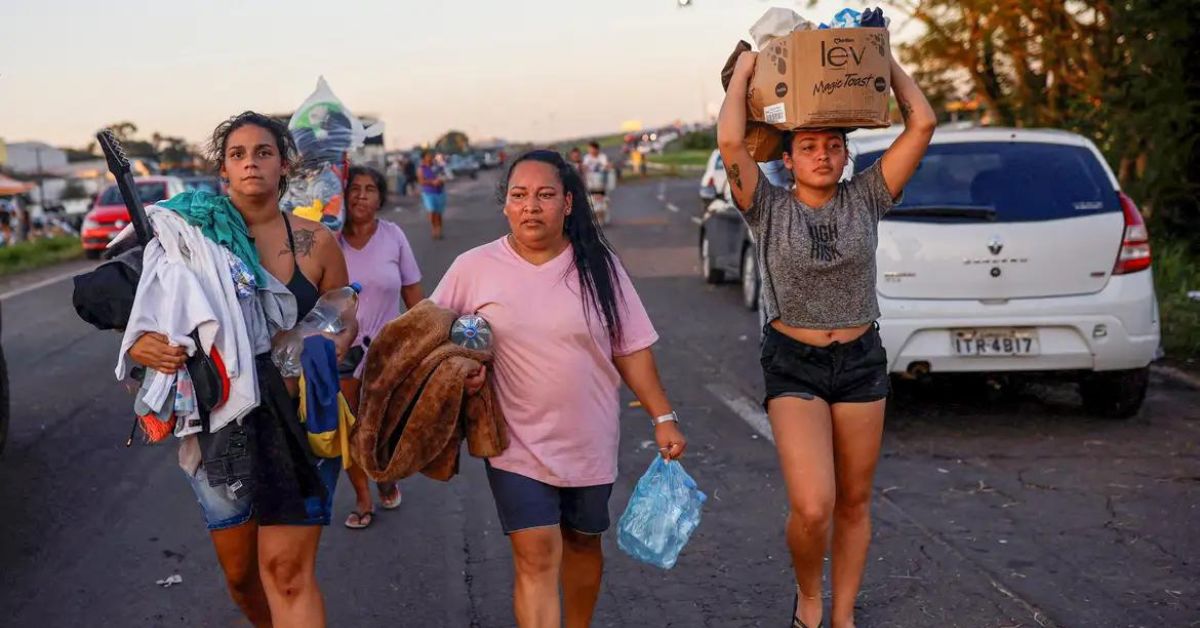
<point>185,286</point>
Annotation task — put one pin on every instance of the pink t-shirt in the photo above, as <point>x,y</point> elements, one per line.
<point>553,368</point>
<point>384,266</point>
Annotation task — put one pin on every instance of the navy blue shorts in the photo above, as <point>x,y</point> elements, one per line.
<point>524,503</point>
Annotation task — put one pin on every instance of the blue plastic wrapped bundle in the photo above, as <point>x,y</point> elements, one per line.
<point>662,513</point>
<point>846,18</point>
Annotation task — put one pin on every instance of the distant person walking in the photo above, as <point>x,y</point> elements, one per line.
<point>433,191</point>
<point>595,170</point>
<point>380,259</point>
<point>408,168</point>
<point>575,158</point>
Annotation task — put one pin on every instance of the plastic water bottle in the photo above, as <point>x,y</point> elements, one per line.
<point>330,315</point>
<point>472,332</point>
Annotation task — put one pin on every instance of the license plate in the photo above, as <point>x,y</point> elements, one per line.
<point>994,342</point>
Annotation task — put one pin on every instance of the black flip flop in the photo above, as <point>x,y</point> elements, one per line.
<point>796,623</point>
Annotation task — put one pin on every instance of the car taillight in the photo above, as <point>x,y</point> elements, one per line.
<point>1135,243</point>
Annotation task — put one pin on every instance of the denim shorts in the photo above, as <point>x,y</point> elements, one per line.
<point>222,510</point>
<point>524,503</point>
<point>852,372</point>
<point>435,202</point>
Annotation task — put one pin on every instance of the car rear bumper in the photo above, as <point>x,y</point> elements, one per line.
<point>98,239</point>
<point>1116,328</point>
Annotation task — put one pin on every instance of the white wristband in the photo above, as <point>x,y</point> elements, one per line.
<point>656,421</point>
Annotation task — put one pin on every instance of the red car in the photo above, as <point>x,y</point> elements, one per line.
<point>109,214</point>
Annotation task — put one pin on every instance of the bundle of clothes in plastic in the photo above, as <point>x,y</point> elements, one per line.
<point>325,132</point>
<point>777,22</point>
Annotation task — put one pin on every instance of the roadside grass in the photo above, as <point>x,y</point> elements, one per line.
<point>37,253</point>
<point>1176,272</point>
<point>610,141</point>
<point>682,157</point>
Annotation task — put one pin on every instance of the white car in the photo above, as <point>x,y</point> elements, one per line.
<point>714,180</point>
<point>1015,250</point>
<point>1012,250</point>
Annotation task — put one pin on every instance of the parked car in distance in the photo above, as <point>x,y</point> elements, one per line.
<point>491,159</point>
<point>713,182</point>
<point>1012,251</point>
<point>109,214</point>
<point>463,165</point>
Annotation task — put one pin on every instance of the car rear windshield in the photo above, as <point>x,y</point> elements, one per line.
<point>1003,182</point>
<point>150,191</point>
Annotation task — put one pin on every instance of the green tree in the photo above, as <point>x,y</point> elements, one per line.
<point>452,143</point>
<point>74,190</point>
<point>1117,72</point>
<point>174,152</point>
<point>123,130</point>
<point>81,154</point>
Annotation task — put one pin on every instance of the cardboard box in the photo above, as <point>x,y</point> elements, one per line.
<point>764,141</point>
<point>839,77</point>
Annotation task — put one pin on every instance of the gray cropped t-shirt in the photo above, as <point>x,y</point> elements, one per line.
<point>818,264</point>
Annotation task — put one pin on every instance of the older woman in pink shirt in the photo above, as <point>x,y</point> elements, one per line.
<point>569,327</point>
<point>379,258</point>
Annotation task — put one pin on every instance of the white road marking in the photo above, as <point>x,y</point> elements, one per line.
<point>40,284</point>
<point>696,219</point>
<point>672,207</point>
<point>749,411</point>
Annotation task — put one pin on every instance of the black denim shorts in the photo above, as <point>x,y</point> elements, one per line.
<point>853,372</point>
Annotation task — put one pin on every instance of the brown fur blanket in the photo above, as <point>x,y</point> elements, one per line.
<point>414,411</point>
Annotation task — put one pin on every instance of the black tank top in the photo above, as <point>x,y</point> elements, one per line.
<point>305,292</point>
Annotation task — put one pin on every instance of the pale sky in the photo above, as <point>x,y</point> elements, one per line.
<point>518,69</point>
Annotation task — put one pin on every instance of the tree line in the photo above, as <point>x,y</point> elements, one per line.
<point>1123,73</point>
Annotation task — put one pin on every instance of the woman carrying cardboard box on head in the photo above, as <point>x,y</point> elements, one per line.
<point>824,365</point>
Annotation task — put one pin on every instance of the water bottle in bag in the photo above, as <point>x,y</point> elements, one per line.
<point>662,514</point>
<point>330,315</point>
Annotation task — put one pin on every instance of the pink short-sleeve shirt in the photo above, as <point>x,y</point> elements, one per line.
<point>383,266</point>
<point>553,368</point>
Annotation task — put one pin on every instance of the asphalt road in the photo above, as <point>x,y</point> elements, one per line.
<point>1005,507</point>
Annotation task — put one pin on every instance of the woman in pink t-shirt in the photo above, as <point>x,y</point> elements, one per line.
<point>569,327</point>
<point>380,259</point>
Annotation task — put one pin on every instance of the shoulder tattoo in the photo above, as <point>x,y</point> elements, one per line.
<point>304,240</point>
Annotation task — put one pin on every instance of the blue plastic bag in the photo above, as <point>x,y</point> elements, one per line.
<point>846,18</point>
<point>662,513</point>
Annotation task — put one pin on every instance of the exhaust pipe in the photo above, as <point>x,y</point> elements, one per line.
<point>917,371</point>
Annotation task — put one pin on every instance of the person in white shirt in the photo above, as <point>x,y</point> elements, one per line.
<point>596,169</point>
